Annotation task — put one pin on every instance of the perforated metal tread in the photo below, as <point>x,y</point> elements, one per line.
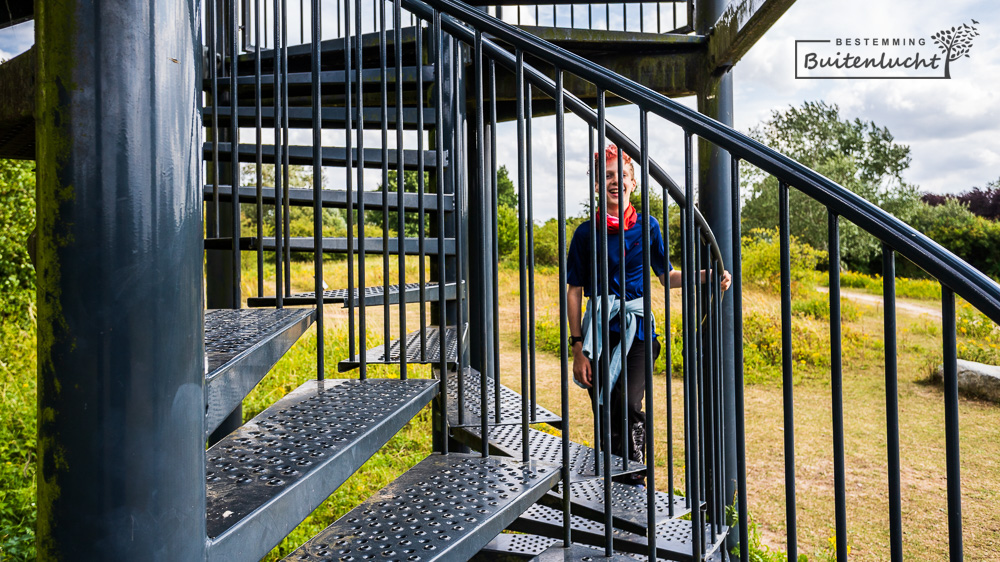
<point>514,545</point>
<point>241,346</point>
<point>673,537</point>
<point>377,355</point>
<point>267,476</point>
<point>510,403</point>
<point>628,503</point>
<point>374,296</point>
<point>447,507</point>
<point>506,440</point>
<point>577,553</point>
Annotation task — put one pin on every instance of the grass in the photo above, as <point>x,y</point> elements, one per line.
<point>921,419</point>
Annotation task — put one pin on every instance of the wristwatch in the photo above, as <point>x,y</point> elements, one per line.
<point>574,339</point>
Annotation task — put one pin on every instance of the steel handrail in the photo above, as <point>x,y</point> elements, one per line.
<point>965,280</point>
<point>457,28</point>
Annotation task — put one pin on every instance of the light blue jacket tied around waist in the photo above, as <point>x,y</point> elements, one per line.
<point>592,342</point>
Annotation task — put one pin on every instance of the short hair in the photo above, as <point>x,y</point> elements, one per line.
<point>611,153</point>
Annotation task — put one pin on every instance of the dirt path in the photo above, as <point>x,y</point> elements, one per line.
<point>913,307</point>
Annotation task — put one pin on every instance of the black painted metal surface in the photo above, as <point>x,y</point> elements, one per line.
<point>374,296</point>
<point>332,156</point>
<point>628,504</point>
<point>514,546</point>
<point>332,198</point>
<point>577,553</point>
<point>544,447</point>
<point>241,346</point>
<point>371,245</point>
<point>119,286</point>
<point>510,403</point>
<point>266,477</point>
<point>673,537</point>
<point>447,507</point>
<point>330,117</point>
<point>377,355</point>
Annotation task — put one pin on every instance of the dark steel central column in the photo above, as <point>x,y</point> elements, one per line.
<point>715,99</point>
<point>120,313</point>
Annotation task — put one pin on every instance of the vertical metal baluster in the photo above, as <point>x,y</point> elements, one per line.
<point>624,16</point>
<point>737,288</point>
<point>952,451</point>
<point>259,160</point>
<point>339,31</point>
<point>595,379</point>
<point>496,246</point>
<point>278,156</point>
<point>348,175</point>
<point>286,214</point>
<point>530,224</point>
<point>572,16</point>
<point>659,29</point>
<point>602,256</point>
<point>213,53</point>
<point>892,403</point>
<point>455,166</point>
<point>647,326</point>
<point>607,16</point>
<point>590,16</point>
<point>484,209</point>
<point>397,18</point>
<point>704,394</point>
<point>563,304</point>
<point>786,369</point>
<point>421,193</point>
<point>234,161</point>
<point>359,162</point>
<point>536,14</point>
<point>686,354</point>
<point>384,120</point>
<point>438,41</point>
<point>302,22</point>
<point>720,400</point>
<point>265,24</point>
<point>667,343</point>
<point>317,153</point>
<point>622,280</point>
<point>690,360</point>
<point>837,386</point>
<point>522,251</point>
<point>708,390</point>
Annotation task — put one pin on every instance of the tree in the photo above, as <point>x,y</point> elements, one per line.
<point>17,215</point>
<point>411,227</point>
<point>982,202</point>
<point>506,195</point>
<point>858,155</point>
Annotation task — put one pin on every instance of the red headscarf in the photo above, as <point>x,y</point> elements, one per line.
<point>630,217</point>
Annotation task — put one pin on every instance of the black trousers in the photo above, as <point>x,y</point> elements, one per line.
<point>634,439</point>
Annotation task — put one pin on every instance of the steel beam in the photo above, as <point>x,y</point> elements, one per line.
<point>121,451</point>
<point>739,27</point>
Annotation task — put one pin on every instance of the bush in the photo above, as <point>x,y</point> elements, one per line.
<point>762,265</point>
<point>17,215</point>
<point>972,238</point>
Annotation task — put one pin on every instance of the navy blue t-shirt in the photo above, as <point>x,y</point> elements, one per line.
<point>579,264</point>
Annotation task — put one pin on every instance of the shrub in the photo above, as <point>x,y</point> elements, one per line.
<point>17,215</point>
<point>762,265</point>
<point>972,238</point>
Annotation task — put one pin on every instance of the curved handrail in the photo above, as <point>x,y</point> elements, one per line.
<point>578,107</point>
<point>968,282</point>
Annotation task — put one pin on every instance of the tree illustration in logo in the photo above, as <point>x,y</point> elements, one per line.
<point>955,43</point>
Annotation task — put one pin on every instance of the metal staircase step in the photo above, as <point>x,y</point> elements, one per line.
<point>267,476</point>
<point>514,546</point>
<point>577,553</point>
<point>447,507</point>
<point>334,198</point>
<point>330,117</point>
<point>332,51</point>
<point>241,346</point>
<point>296,80</point>
<point>374,296</point>
<point>510,403</point>
<point>331,156</point>
<point>372,245</point>
<point>431,353</point>
<point>506,440</point>
<point>628,504</point>
<point>673,537</point>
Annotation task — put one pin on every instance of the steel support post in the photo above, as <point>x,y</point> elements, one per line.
<point>120,313</point>
<point>219,282</point>
<point>715,99</point>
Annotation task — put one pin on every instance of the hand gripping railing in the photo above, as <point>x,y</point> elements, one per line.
<point>955,275</point>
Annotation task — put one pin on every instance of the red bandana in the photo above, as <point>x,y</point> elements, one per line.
<point>630,218</point>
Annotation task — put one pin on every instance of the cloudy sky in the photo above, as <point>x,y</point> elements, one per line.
<point>952,126</point>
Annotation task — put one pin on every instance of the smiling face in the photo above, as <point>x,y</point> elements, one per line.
<point>613,191</point>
